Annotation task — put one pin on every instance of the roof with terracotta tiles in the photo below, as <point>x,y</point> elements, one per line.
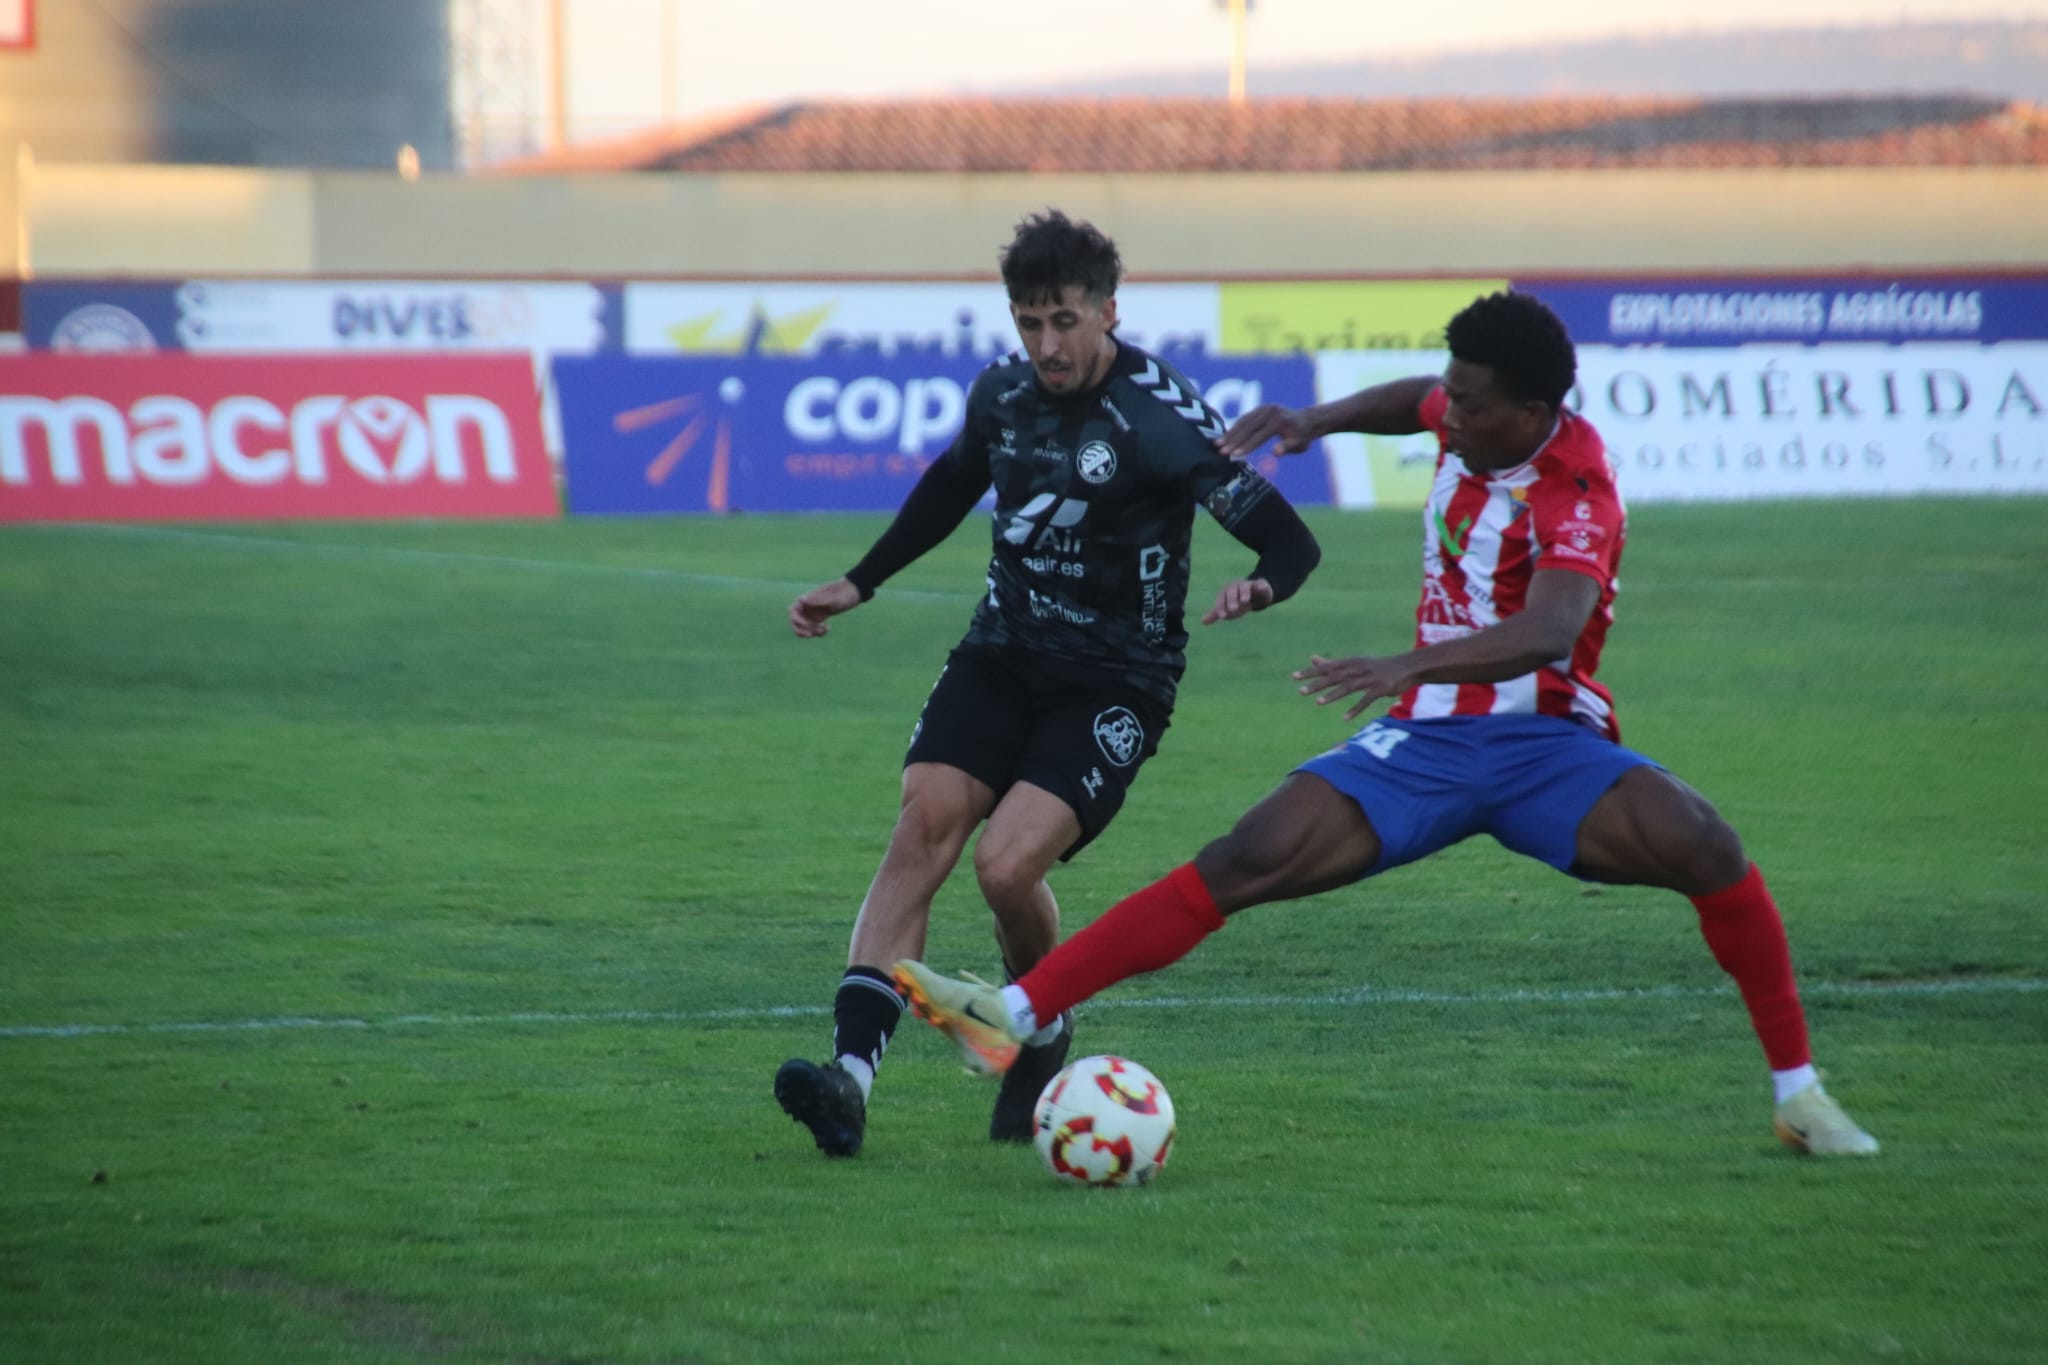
<point>1139,135</point>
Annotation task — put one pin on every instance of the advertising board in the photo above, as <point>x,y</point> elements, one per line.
<point>969,320</point>
<point>1731,312</point>
<point>195,438</point>
<point>831,432</point>
<point>261,317</point>
<point>1686,423</point>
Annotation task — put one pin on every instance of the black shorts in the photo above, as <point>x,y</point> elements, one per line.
<point>1079,738</point>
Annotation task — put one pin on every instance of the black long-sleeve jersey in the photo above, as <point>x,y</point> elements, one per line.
<point>1095,496</point>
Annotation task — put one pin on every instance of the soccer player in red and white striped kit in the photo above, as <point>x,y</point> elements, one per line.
<point>1499,726</point>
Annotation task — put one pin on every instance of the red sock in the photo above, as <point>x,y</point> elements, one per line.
<point>1742,927</point>
<point>1142,932</point>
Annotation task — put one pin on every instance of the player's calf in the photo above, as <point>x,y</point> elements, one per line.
<point>1036,1065</point>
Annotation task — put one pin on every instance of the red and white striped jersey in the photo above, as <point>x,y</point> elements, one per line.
<point>1485,535</point>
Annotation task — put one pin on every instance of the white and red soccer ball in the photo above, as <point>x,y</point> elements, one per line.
<point>1104,1121</point>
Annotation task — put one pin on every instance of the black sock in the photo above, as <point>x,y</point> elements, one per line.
<point>864,1015</point>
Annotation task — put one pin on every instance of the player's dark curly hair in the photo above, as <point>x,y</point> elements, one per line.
<point>1521,341</point>
<point>1052,251</point>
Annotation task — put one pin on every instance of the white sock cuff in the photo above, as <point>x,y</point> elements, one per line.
<point>1023,1019</point>
<point>1785,1084</point>
<point>1048,1033</point>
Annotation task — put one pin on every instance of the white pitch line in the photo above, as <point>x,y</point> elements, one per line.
<point>1355,996</point>
<point>398,554</point>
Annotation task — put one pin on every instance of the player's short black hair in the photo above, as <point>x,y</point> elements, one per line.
<point>1051,251</point>
<point>1521,341</point>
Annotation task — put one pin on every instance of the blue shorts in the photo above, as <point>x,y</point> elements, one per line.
<point>1426,784</point>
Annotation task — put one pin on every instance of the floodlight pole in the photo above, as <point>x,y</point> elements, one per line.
<point>24,172</point>
<point>668,60</point>
<point>1237,42</point>
<point>558,76</point>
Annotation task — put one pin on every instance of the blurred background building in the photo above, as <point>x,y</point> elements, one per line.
<point>286,83</point>
<point>593,181</point>
<point>569,136</point>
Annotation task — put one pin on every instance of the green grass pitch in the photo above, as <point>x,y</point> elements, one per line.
<point>400,926</point>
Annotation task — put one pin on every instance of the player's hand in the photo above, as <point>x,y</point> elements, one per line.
<point>807,614</point>
<point>1235,599</point>
<point>1369,679</point>
<point>1287,428</point>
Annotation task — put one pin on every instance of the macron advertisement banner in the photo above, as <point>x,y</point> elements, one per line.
<point>1759,421</point>
<point>826,433</point>
<point>539,319</point>
<point>194,438</point>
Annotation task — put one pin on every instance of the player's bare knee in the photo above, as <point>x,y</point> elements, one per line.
<point>926,832</point>
<point>1717,860</point>
<point>1007,875</point>
<point>1698,856</point>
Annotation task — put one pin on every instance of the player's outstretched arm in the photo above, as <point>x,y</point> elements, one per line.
<point>808,613</point>
<point>1237,599</point>
<point>1287,549</point>
<point>1287,428</point>
<point>1560,601</point>
<point>1368,678</point>
<point>939,501</point>
<point>1390,409</point>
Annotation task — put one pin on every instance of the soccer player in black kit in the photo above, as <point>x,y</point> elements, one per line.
<point>1099,454</point>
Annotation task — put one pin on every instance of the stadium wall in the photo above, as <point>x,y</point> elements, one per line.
<point>154,220</point>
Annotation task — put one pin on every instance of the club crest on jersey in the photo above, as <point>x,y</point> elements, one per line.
<point>1097,462</point>
<point>1119,735</point>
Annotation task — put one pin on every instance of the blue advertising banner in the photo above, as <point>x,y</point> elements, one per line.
<point>825,433</point>
<point>93,315</point>
<point>1734,312</point>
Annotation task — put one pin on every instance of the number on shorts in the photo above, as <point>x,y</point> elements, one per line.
<point>1378,740</point>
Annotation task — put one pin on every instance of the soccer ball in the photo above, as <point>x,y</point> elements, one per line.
<point>1104,1121</point>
